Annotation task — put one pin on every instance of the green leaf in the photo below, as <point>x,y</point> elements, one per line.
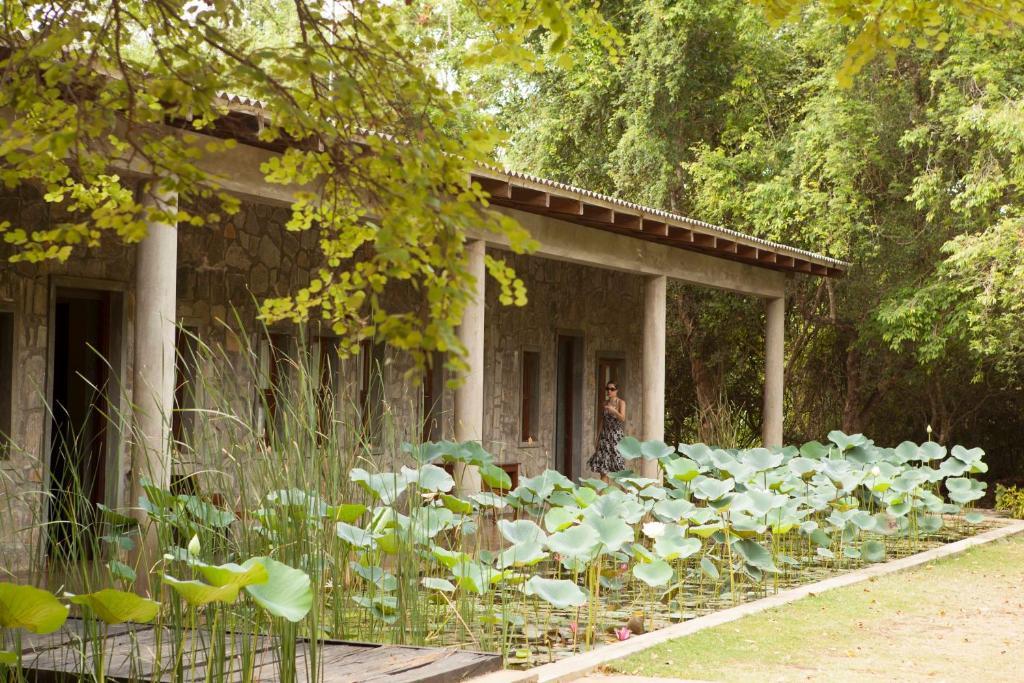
<point>116,607</point>
<point>429,478</point>
<point>654,574</point>
<point>495,477</point>
<point>707,566</point>
<point>456,504</point>
<point>974,518</point>
<point>521,555</point>
<point>575,542</point>
<point>755,554</point>
<point>353,535</point>
<point>199,594</point>
<point>559,593</point>
<point>612,532</point>
<point>873,551</point>
<point>437,584</point>
<point>30,608</point>
<point>557,519</point>
<point>286,593</point>
<point>520,531</point>
<point>347,512</point>
<point>8,658</point>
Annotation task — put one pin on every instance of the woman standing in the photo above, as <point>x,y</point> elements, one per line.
<point>607,457</point>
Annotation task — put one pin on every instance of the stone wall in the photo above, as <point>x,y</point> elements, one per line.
<point>604,307</point>
<point>223,271</point>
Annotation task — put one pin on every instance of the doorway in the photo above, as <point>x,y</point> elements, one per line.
<point>568,406</point>
<point>84,368</point>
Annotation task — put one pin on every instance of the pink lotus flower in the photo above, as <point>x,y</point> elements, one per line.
<point>574,627</point>
<point>623,633</point>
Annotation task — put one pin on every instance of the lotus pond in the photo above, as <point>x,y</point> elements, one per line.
<point>548,569</point>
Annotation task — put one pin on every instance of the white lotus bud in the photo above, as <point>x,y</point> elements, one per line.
<point>875,471</point>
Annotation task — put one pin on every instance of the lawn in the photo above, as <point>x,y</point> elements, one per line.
<point>956,618</point>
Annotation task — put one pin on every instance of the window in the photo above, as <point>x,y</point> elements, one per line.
<point>6,381</point>
<point>186,348</point>
<point>371,389</point>
<point>433,399</point>
<point>530,387</point>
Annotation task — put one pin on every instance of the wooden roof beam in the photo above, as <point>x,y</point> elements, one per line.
<point>784,261</point>
<point>681,234</point>
<point>727,246</point>
<point>627,221</point>
<point>565,205</point>
<point>702,239</point>
<point>819,269</point>
<point>802,266</point>
<point>528,196</point>
<point>746,251</point>
<point>497,188</point>
<point>649,226</point>
<point>764,256</point>
<point>598,214</point>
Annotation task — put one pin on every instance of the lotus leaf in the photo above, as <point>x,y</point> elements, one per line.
<point>654,574</point>
<point>953,467</point>
<point>489,499</point>
<point>449,558</point>
<point>199,594</point>
<point>612,532</point>
<point>824,552</point>
<point>584,496</point>
<point>429,478</point>
<point>116,607</point>
<point>545,483</point>
<point>674,545</point>
<point>672,510</point>
<point>846,442</point>
<point>575,542</point>
<point>712,489</point>
<point>8,658</point>
<point>475,576</point>
<point>286,593</point>
<point>931,451</point>
<point>962,490</point>
<point>930,523</point>
<point>705,530</point>
<point>814,450</point>
<point>873,551</point>
<point>559,593</point>
<point>437,584</point>
<point>521,531</point>
<point>974,517</point>
<point>387,486</point>
<point>803,467</point>
<point>755,554</point>
<point>376,576</point>
<point>701,515</point>
<point>353,535</point>
<point>30,608</point>
<point>347,512</point>
<point>681,469</point>
<point>209,514</point>
<point>707,566</point>
<point>820,538</point>
<point>495,477</point>
<point>521,555</point>
<point>558,519</point>
<point>232,574</point>
<point>851,552</point>
<point>762,459</point>
<point>457,505</point>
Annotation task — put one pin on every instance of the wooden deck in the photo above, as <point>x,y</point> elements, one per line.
<point>130,654</point>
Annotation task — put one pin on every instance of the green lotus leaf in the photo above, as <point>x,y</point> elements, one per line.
<point>209,514</point>
<point>9,658</point>
<point>672,510</point>
<point>558,519</point>
<point>428,452</point>
<point>707,566</point>
<point>962,490</point>
<point>974,518</point>
<point>953,467</point>
<point>803,466</point>
<point>712,489</point>
<point>906,451</point>
<point>386,486</point>
<point>121,571</point>
<point>611,531</point>
<point>437,584</point>
<point>761,459</point>
<point>701,515</point>
<point>655,450</point>
<point>824,552</point>
<point>630,448</point>
<point>654,574</point>
<point>427,522</point>
<point>286,593</point>
<point>846,442</point>
<point>545,483</point>
<point>560,593</point>
<point>116,607</point>
<point>449,558</point>
<point>475,576</point>
<point>873,551</point>
<point>681,469</point>
<point>899,509</point>
<point>673,545</point>
<point>820,538</point>
<point>347,512</point>
<point>930,523</point>
<point>931,451</point>
<point>746,526</point>
<point>232,574</point>
<point>968,457</point>
<point>755,554</point>
<point>705,530</point>
<point>584,496</point>
<point>353,535</point>
<point>30,608</point>
<point>495,477</point>
<point>698,452</point>
<point>814,450</point>
<point>521,531</point>
<point>199,594</point>
<point>521,555</point>
<point>642,553</point>
<point>577,542</point>
<point>488,499</point>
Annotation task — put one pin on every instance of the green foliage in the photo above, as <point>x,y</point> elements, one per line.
<point>30,608</point>
<point>885,26</point>
<point>1010,499</point>
<point>103,88</point>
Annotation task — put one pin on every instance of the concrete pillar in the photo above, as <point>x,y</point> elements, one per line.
<point>156,263</point>
<point>654,366</point>
<point>469,396</point>
<point>774,361</point>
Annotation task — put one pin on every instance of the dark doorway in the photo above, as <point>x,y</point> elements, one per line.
<point>568,413</point>
<point>83,327</point>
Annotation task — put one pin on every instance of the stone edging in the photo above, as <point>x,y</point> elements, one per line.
<point>580,665</point>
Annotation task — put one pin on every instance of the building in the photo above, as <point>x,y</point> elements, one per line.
<point>597,288</point>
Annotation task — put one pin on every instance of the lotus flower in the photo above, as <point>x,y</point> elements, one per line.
<point>623,633</point>
<point>575,628</point>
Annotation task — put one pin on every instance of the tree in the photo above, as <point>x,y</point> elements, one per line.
<point>347,90</point>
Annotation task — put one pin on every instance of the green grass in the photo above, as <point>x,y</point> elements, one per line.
<point>956,617</point>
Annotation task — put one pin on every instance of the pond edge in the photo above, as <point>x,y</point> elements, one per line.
<point>585,663</point>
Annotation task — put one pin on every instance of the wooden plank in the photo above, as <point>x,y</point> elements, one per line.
<point>499,189</point>
<point>598,214</point>
<point>528,196</point>
<point>629,221</point>
<point>565,205</point>
<point>654,227</point>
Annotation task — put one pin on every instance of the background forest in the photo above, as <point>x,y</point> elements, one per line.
<point>913,172</point>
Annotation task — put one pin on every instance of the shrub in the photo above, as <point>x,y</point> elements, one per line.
<point>1010,499</point>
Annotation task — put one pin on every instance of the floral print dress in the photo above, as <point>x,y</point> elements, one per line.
<point>607,457</point>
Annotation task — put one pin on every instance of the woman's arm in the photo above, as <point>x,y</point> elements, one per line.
<point>621,412</point>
